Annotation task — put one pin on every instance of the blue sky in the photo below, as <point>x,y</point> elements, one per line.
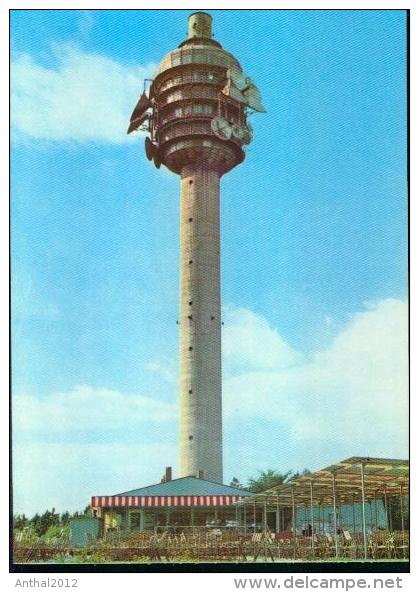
<point>314,263</point>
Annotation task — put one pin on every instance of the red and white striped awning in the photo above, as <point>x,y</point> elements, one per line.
<point>155,501</point>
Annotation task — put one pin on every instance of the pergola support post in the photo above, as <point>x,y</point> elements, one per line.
<point>401,507</point>
<point>237,518</point>
<point>318,517</point>
<point>293,518</point>
<point>371,516</point>
<point>312,517</point>
<point>390,516</point>
<point>265,529</point>
<point>375,510</point>
<point>265,517</point>
<point>353,514</point>
<point>364,526</point>
<point>335,515</point>
<point>244,519</point>
<point>254,516</point>
<point>386,508</point>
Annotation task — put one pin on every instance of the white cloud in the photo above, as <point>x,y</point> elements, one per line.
<point>88,410</point>
<point>71,445</point>
<point>351,399</point>
<point>66,475</point>
<point>166,369</point>
<point>250,342</point>
<point>87,97</point>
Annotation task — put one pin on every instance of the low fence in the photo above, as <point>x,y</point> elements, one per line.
<point>203,544</point>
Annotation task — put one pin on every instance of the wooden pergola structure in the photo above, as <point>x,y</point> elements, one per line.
<point>351,481</point>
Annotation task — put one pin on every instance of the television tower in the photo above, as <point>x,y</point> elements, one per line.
<point>196,111</point>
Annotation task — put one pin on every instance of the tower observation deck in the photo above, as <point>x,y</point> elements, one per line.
<point>196,114</point>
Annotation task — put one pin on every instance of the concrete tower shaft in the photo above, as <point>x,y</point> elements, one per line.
<point>200,324</point>
<point>199,102</point>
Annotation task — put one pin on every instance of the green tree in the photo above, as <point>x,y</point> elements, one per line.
<point>20,521</point>
<point>35,522</point>
<point>42,523</point>
<point>267,480</point>
<point>302,473</point>
<point>65,518</point>
<point>236,483</point>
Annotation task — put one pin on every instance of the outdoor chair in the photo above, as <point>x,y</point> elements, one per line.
<point>302,549</point>
<point>382,548</point>
<point>348,546</point>
<point>322,547</point>
<point>329,545</point>
<point>286,548</point>
<point>401,544</point>
<point>231,546</point>
<point>313,547</point>
<point>263,545</point>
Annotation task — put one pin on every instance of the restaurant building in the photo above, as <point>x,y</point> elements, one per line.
<point>188,501</point>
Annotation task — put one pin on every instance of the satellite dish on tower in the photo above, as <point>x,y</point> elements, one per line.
<point>149,149</point>
<point>238,131</point>
<point>221,128</point>
<point>157,160</point>
<point>248,134</point>
<point>237,78</point>
<point>253,97</point>
<point>139,115</point>
<point>241,88</point>
<point>231,90</point>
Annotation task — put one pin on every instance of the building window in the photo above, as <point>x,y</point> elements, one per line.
<point>135,519</point>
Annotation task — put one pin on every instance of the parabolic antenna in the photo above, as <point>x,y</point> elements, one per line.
<point>238,131</point>
<point>157,160</point>
<point>253,97</point>
<point>231,90</point>
<point>135,123</point>
<point>138,116</point>
<point>149,149</point>
<point>248,134</point>
<point>237,78</point>
<point>221,128</point>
